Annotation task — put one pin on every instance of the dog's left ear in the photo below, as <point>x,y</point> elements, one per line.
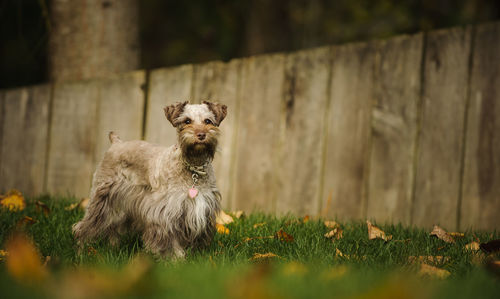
<point>219,110</point>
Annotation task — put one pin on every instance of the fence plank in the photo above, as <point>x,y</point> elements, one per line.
<point>348,137</point>
<point>121,109</point>
<point>218,82</point>
<point>2,121</point>
<point>73,138</point>
<point>394,127</point>
<point>24,140</point>
<point>259,132</point>
<point>305,95</point>
<point>167,86</point>
<point>440,146</point>
<point>481,202</point>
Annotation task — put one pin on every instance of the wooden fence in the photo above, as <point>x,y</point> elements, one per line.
<point>402,130</point>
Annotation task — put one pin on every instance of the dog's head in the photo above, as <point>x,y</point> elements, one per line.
<point>197,125</point>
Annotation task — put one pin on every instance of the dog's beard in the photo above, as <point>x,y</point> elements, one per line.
<point>198,152</point>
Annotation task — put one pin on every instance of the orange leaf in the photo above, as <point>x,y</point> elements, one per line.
<point>376,233</point>
<point>283,236</point>
<point>305,219</point>
<point>442,234</point>
<point>221,229</point>
<point>13,200</point>
<point>23,261</point>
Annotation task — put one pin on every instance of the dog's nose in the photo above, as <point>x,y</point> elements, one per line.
<point>201,136</point>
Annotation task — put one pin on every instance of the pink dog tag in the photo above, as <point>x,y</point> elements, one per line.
<point>193,192</point>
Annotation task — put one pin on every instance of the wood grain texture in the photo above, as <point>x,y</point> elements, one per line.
<point>121,109</point>
<point>348,140</point>
<point>73,138</point>
<point>440,145</point>
<point>24,139</point>
<point>219,82</point>
<point>307,77</point>
<point>166,86</point>
<point>480,206</point>
<point>259,127</point>
<point>394,128</point>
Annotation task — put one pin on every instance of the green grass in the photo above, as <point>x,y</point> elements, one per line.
<point>306,267</point>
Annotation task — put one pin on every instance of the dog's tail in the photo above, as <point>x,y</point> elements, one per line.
<point>113,137</point>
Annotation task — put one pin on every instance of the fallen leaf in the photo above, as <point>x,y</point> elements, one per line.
<point>13,201</point>
<point>259,224</point>
<point>294,268</point>
<point>334,234</point>
<point>433,259</point>
<point>442,234</point>
<point>338,253</point>
<point>305,219</point>
<point>491,246</point>
<point>239,214</point>
<point>223,218</point>
<point>41,207</point>
<point>283,236</point>
<point>91,251</point>
<point>456,235</point>
<point>472,246</point>
<point>259,256</point>
<point>428,270</point>
<point>221,229</point>
<point>3,254</point>
<point>376,233</point>
<point>334,273</point>
<point>331,224</point>
<point>25,221</point>
<point>23,262</point>
<point>82,204</point>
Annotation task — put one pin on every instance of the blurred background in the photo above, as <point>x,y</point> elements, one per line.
<point>178,32</point>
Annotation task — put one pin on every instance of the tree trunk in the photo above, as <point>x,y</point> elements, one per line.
<point>92,38</point>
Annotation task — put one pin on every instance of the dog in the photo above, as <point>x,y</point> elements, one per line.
<point>169,195</point>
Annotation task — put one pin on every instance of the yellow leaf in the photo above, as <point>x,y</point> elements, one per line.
<point>473,246</point>
<point>82,204</point>
<point>223,218</point>
<point>259,256</point>
<point>23,262</point>
<point>457,235</point>
<point>334,234</point>
<point>376,233</point>
<point>331,224</point>
<point>338,253</point>
<point>221,229</point>
<point>283,236</point>
<point>13,200</point>
<point>259,224</point>
<point>442,234</point>
<point>427,270</point>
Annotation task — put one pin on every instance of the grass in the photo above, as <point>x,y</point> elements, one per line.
<point>306,267</point>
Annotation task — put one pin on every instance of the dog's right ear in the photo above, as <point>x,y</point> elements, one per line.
<point>172,112</point>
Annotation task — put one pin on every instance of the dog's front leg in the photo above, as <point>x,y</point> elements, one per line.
<point>161,242</point>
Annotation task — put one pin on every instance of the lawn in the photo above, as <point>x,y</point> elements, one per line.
<point>310,265</point>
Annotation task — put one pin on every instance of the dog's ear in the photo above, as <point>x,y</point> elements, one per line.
<point>172,112</point>
<point>219,110</point>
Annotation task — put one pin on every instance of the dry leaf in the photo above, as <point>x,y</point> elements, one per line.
<point>13,200</point>
<point>82,204</point>
<point>221,229</point>
<point>334,234</point>
<point>376,233</point>
<point>437,259</point>
<point>283,236</point>
<point>338,253</point>
<point>25,221</point>
<point>23,261</point>
<point>456,235</point>
<point>92,251</point>
<point>472,246</point>
<point>428,270</point>
<point>223,218</point>
<point>239,214</point>
<point>3,254</point>
<point>442,234</point>
<point>331,224</point>
<point>259,256</point>
<point>334,273</point>
<point>491,246</point>
<point>41,207</point>
<point>259,224</point>
<point>305,219</point>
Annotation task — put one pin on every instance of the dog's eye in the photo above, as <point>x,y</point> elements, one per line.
<point>208,122</point>
<point>187,121</point>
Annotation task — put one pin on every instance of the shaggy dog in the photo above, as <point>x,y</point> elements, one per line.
<point>167,194</point>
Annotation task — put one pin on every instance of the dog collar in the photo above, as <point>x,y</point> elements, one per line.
<point>196,170</point>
